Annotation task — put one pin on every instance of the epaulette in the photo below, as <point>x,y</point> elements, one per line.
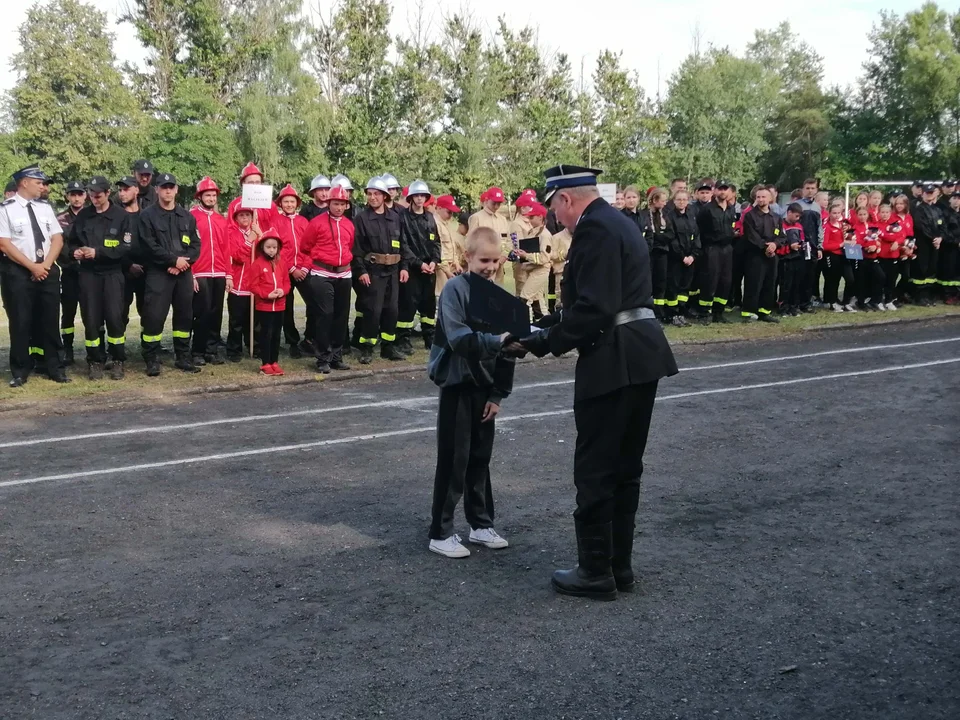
<point>7,201</point>
<point>41,200</point>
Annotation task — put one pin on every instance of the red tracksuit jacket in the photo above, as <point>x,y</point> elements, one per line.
<point>214,260</point>
<point>328,241</point>
<point>832,238</point>
<point>267,276</point>
<point>239,261</point>
<point>889,236</point>
<point>266,217</point>
<point>292,229</point>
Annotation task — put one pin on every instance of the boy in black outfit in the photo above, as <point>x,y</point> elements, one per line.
<point>794,254</point>
<point>475,374</point>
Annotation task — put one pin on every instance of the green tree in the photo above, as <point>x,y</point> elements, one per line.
<point>718,109</point>
<point>70,107</point>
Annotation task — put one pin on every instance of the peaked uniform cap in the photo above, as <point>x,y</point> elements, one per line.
<point>562,177</point>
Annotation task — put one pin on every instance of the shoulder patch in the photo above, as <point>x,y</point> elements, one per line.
<point>7,201</point>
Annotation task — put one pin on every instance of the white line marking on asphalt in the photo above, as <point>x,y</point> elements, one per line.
<point>415,402</point>
<point>413,431</point>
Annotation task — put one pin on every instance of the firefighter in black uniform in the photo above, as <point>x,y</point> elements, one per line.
<point>717,221</point>
<point>170,244</point>
<point>100,242</point>
<point>380,261</point>
<point>128,198</point>
<point>608,317</point>
<point>928,230</point>
<point>69,277</point>
<point>418,294</point>
<point>146,192</point>
<point>762,236</point>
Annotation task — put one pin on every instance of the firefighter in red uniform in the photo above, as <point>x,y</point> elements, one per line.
<point>292,226</point>
<point>328,247</point>
<point>264,217</point>
<point>211,274</point>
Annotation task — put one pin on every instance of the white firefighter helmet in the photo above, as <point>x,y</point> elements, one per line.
<point>319,182</point>
<point>377,183</point>
<point>390,181</point>
<point>342,181</point>
<point>418,187</point>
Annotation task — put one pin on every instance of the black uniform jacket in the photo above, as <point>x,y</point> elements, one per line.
<point>379,233</point>
<point>66,219</point>
<point>683,234</point>
<point>717,225</point>
<point>165,235</point>
<point>421,232</point>
<point>927,221</point>
<point>108,233</point>
<point>147,196</point>
<point>608,271</point>
<point>760,228</point>
<point>310,210</point>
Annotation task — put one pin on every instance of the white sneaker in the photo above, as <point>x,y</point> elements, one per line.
<point>850,308</point>
<point>488,538</point>
<point>881,306</point>
<point>891,306</point>
<point>451,547</point>
<point>837,307</point>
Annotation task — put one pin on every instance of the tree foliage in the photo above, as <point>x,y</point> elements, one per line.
<point>462,104</point>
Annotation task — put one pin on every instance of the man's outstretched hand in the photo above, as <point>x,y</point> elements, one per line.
<point>537,343</point>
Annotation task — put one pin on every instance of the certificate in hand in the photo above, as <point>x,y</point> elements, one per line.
<point>494,306</point>
<point>529,245</point>
<point>853,252</point>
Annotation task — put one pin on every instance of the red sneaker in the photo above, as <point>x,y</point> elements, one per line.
<point>267,370</point>
<point>277,370</point>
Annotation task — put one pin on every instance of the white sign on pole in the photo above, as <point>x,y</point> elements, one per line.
<point>608,191</point>
<point>257,196</point>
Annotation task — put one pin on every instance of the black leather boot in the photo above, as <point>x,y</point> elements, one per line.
<point>622,551</point>
<point>592,578</point>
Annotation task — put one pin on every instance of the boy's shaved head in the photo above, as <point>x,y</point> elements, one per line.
<point>481,237</point>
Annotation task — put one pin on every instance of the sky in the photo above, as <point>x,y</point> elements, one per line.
<point>654,38</point>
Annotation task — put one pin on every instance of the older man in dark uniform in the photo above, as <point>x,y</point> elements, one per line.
<point>608,317</point>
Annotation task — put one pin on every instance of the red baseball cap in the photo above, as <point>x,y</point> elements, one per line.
<point>447,203</point>
<point>525,200</point>
<point>495,194</point>
<point>538,209</point>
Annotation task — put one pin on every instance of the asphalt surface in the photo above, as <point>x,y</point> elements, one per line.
<point>797,546</point>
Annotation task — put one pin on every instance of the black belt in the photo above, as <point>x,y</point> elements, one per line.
<point>330,268</point>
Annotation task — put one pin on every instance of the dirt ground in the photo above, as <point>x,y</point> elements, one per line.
<point>264,554</point>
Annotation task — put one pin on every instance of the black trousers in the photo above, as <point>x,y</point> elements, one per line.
<point>134,287</point>
<point>69,298</point>
<point>417,295</point>
<point>809,279</point>
<point>659,261</point>
<point>238,325</point>
<point>870,280</point>
<point>270,323</point>
<point>836,268</point>
<point>760,282</point>
<point>793,282</point>
<point>716,276</point>
<point>102,302</point>
<point>608,461</point>
<point>162,291</point>
<point>33,309</point>
<point>741,251</point>
<point>330,302</point>
<point>679,279</point>
<point>948,269</point>
<point>208,314</point>
<point>290,332</point>
<point>464,448</point>
<point>891,271</point>
<point>923,270</point>
<point>552,291</point>
<point>378,304</point>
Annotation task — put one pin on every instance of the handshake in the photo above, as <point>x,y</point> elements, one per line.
<point>517,347</point>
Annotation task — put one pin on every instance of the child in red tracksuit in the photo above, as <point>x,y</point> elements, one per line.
<point>893,236</point>
<point>270,285</point>
<point>793,254</point>
<point>835,265</point>
<point>869,274</point>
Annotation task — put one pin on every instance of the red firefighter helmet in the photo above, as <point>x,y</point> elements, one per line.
<point>337,192</point>
<point>248,170</point>
<point>288,191</point>
<point>206,183</point>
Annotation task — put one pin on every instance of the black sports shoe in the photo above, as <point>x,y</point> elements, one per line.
<point>186,365</point>
<point>295,353</point>
<point>153,368</point>
<point>339,365</point>
<point>323,368</point>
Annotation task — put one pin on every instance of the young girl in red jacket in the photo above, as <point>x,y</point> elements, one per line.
<point>242,236</point>
<point>868,272</point>
<point>901,212</point>
<point>270,285</point>
<point>835,265</point>
<point>893,236</point>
